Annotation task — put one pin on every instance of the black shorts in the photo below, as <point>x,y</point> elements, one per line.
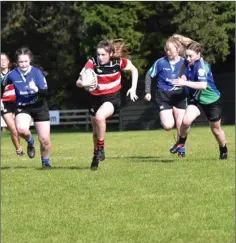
<point>38,113</point>
<point>9,107</point>
<point>95,102</point>
<point>212,111</point>
<point>165,99</point>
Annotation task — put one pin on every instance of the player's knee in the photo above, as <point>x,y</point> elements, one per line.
<point>167,127</point>
<point>45,143</point>
<point>216,130</point>
<point>186,123</point>
<point>99,118</point>
<point>22,131</point>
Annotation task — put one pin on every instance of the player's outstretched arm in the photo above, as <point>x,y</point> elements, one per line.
<point>134,72</point>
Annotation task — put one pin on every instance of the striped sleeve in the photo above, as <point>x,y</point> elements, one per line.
<point>154,70</point>
<point>89,64</point>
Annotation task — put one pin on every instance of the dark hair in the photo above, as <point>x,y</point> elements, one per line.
<point>27,51</point>
<point>24,51</point>
<point>195,46</point>
<point>116,46</point>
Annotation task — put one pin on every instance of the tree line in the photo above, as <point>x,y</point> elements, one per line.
<point>63,35</point>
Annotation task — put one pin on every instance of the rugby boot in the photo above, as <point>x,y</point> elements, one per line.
<point>176,147</point>
<point>46,166</point>
<point>101,154</point>
<point>98,156</point>
<point>95,163</point>
<point>19,153</point>
<point>31,151</point>
<point>223,152</point>
<point>182,152</point>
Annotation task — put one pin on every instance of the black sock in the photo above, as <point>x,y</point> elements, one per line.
<point>182,140</point>
<point>223,149</point>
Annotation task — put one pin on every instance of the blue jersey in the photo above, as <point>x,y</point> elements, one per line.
<point>200,71</point>
<point>26,85</point>
<point>165,73</point>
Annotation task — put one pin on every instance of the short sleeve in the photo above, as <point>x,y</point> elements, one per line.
<point>124,63</point>
<point>154,70</point>
<point>89,64</point>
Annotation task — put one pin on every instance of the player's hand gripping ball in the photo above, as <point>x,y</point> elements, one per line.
<point>89,79</point>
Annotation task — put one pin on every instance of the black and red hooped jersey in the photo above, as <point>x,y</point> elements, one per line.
<point>8,92</point>
<point>109,75</point>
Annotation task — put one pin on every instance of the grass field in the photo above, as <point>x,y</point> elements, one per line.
<point>140,193</point>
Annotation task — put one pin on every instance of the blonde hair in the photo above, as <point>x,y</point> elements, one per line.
<point>116,47</point>
<point>181,42</point>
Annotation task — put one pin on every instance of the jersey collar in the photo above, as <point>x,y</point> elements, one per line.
<point>29,69</point>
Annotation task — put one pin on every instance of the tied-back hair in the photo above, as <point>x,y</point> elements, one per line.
<point>26,51</point>
<point>117,47</point>
<point>195,46</point>
<point>181,42</point>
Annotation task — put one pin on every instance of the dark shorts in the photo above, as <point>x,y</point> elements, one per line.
<point>95,102</point>
<point>212,111</point>
<point>165,100</point>
<point>39,113</point>
<point>9,107</point>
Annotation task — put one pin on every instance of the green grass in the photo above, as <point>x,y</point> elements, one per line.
<point>140,193</point>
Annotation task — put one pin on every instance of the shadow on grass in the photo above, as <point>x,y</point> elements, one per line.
<point>144,159</point>
<point>43,169</point>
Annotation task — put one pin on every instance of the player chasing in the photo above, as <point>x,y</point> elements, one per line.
<point>105,101</point>
<point>31,89</point>
<point>8,104</point>
<point>203,92</point>
<point>171,101</point>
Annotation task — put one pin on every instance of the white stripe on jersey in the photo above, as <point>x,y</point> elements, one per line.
<point>8,93</point>
<point>109,85</point>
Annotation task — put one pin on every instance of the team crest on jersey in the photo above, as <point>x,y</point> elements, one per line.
<point>99,70</point>
<point>201,72</point>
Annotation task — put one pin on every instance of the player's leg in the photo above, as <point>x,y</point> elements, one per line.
<point>179,115</point>
<point>43,130</point>
<point>23,121</point>
<point>41,119</point>
<point>220,137</point>
<point>164,108</point>
<point>191,113</point>
<point>167,118</point>
<point>94,128</point>
<point>99,125</point>
<point>213,112</point>
<point>9,119</point>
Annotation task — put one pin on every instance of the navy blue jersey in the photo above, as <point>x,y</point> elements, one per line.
<point>165,73</point>
<point>200,71</point>
<point>26,85</point>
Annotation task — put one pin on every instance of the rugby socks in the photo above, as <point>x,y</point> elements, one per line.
<point>223,149</point>
<point>45,160</point>
<point>100,143</point>
<point>30,141</point>
<point>182,140</point>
